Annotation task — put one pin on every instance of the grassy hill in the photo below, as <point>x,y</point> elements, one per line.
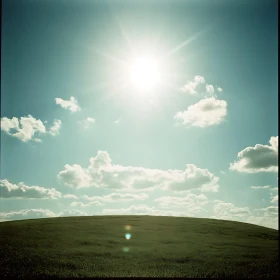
<point>158,247</point>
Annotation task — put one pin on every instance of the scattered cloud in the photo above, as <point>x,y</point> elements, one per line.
<point>261,158</point>
<point>26,214</point>
<point>228,211</point>
<point>191,86</point>
<point>259,187</point>
<point>274,199</point>
<point>113,197</point>
<point>210,89</point>
<point>37,214</point>
<point>70,196</point>
<point>71,212</point>
<point>82,204</point>
<point>87,122</point>
<point>102,173</point>
<point>25,128</point>
<point>54,130</point>
<point>140,210</point>
<point>71,105</point>
<point>207,112</point>
<point>191,203</point>
<point>219,89</point>
<point>9,190</point>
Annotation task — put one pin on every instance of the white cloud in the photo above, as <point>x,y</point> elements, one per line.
<point>191,86</point>
<point>261,158</point>
<point>210,89</point>
<point>259,187</point>
<point>191,203</point>
<point>81,204</point>
<point>70,196</point>
<point>38,214</point>
<point>265,221</point>
<point>267,218</point>
<point>9,190</point>
<point>270,210</point>
<point>71,212</point>
<point>74,176</point>
<point>71,105</point>
<point>54,130</point>
<point>87,122</point>
<point>25,128</point>
<point>140,210</point>
<point>26,214</point>
<point>274,199</point>
<point>102,173</point>
<point>228,211</point>
<point>113,197</point>
<point>207,112</point>
<point>219,89</point>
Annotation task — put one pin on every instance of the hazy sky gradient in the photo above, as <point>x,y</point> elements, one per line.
<point>63,49</point>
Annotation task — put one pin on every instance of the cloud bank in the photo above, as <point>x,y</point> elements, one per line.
<point>101,173</point>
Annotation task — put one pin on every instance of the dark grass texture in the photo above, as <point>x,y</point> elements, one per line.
<point>159,247</point>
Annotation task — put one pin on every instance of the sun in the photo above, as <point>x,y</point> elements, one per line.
<point>144,73</point>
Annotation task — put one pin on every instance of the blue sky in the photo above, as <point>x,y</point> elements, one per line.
<point>169,150</point>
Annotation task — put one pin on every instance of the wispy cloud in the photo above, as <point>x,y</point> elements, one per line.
<point>9,190</point>
<point>70,196</point>
<point>261,158</point>
<point>26,214</point>
<point>207,112</point>
<point>54,130</point>
<point>259,187</point>
<point>71,105</point>
<point>189,203</point>
<point>140,210</point>
<point>38,213</point>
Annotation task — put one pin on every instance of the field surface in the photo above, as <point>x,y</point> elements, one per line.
<point>158,247</point>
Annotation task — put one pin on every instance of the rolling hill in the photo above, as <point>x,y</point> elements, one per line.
<point>96,246</point>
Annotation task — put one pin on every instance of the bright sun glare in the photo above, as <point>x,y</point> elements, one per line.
<point>144,73</point>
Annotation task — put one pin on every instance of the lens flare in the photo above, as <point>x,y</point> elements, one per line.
<point>128,227</point>
<point>127,235</point>
<point>125,249</point>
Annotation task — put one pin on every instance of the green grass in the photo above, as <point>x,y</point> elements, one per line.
<point>159,247</point>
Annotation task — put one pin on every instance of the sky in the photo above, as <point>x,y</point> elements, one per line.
<point>140,107</point>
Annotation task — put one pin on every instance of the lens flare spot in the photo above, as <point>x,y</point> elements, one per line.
<point>128,227</point>
<point>127,235</point>
<point>125,249</point>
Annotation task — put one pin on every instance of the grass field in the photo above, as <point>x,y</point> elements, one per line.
<point>158,247</point>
